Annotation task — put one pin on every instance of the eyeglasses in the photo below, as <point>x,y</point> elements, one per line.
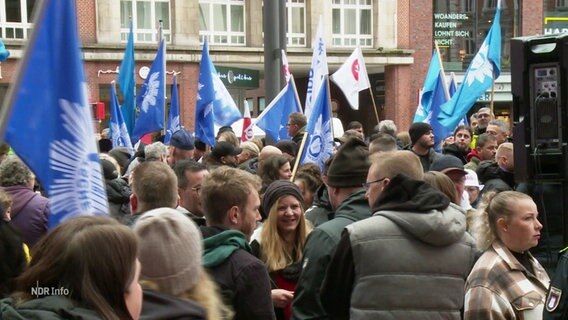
<point>197,188</point>
<point>289,124</point>
<point>367,185</point>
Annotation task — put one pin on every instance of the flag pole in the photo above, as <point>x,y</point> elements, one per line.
<point>374,104</point>
<point>299,156</point>
<point>329,104</point>
<point>160,39</point>
<point>491,104</point>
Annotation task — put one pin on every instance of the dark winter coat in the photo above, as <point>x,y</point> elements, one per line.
<point>29,213</point>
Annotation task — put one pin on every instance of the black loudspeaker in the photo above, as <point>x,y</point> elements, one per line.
<point>539,71</point>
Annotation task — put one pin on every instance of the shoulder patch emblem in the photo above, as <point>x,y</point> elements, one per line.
<point>553,299</point>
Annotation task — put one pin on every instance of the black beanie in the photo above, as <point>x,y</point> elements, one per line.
<point>278,189</point>
<point>417,130</point>
<point>350,165</point>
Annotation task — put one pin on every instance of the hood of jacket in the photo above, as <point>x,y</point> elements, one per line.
<point>487,169</point>
<point>22,195</point>
<point>46,308</point>
<point>118,191</point>
<point>355,207</point>
<point>422,211</point>
<point>453,150</point>
<point>321,198</point>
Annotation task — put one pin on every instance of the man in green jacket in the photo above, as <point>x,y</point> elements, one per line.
<point>345,178</point>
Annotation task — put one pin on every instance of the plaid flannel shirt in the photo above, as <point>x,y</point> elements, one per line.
<point>499,287</point>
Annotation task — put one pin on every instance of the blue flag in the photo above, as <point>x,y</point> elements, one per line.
<point>274,118</point>
<point>319,143</point>
<point>173,117</point>
<point>127,82</point>
<point>483,70</point>
<point>51,126</point>
<point>439,97</point>
<point>429,84</point>
<point>118,132</point>
<point>214,102</point>
<point>151,98</point>
<point>4,53</point>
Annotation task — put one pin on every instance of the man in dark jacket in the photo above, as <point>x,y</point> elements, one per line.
<point>460,147</point>
<point>344,180</point>
<point>297,127</point>
<point>230,201</point>
<point>410,260</point>
<point>29,210</point>
<point>321,210</point>
<point>498,175</point>
<point>422,143</point>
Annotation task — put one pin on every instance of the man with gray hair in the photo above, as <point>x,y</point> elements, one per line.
<point>156,151</point>
<point>29,210</point>
<point>499,129</point>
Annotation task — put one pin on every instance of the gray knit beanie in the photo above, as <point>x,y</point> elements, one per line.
<point>170,250</point>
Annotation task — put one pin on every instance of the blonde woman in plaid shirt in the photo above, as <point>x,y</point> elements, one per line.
<point>507,282</point>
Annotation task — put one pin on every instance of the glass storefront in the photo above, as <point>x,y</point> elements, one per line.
<point>460,26</point>
<point>555,17</point>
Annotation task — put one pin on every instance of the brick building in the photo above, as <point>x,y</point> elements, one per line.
<point>396,37</point>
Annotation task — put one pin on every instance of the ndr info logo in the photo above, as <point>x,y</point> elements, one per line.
<point>49,291</point>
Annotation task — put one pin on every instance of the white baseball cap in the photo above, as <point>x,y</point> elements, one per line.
<point>471,179</point>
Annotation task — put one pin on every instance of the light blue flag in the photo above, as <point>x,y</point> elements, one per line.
<point>173,117</point>
<point>127,82</point>
<point>214,102</point>
<point>50,126</point>
<point>484,68</point>
<point>429,84</point>
<point>118,132</point>
<point>452,88</point>
<point>151,99</point>
<point>4,53</point>
<point>439,97</point>
<point>274,118</point>
<point>319,143</point>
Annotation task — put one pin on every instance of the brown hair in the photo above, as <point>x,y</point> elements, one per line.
<point>396,162</point>
<point>155,185</point>
<point>270,170</point>
<point>443,183</point>
<point>224,188</point>
<point>94,258</point>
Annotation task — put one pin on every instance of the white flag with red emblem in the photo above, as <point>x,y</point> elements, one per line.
<point>352,77</point>
<point>247,124</point>
<point>285,66</point>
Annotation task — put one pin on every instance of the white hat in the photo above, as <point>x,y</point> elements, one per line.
<point>471,179</point>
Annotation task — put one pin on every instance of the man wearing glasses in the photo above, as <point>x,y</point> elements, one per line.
<point>190,176</point>
<point>297,127</point>
<point>483,115</point>
<point>410,259</point>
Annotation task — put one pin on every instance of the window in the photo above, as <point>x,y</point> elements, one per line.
<point>296,23</point>
<point>352,22</point>
<point>562,4</point>
<point>145,15</point>
<point>468,5</point>
<point>16,18</point>
<point>222,22</point>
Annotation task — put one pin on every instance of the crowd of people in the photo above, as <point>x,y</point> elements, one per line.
<point>389,228</point>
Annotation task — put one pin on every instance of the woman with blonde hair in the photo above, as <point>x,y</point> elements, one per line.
<point>176,285</point>
<point>281,242</point>
<point>85,268</point>
<point>507,282</point>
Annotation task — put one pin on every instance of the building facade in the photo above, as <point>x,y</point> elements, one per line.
<point>396,37</point>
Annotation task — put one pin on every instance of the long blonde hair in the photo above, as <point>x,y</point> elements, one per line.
<point>493,206</point>
<point>205,293</point>
<point>274,253</point>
